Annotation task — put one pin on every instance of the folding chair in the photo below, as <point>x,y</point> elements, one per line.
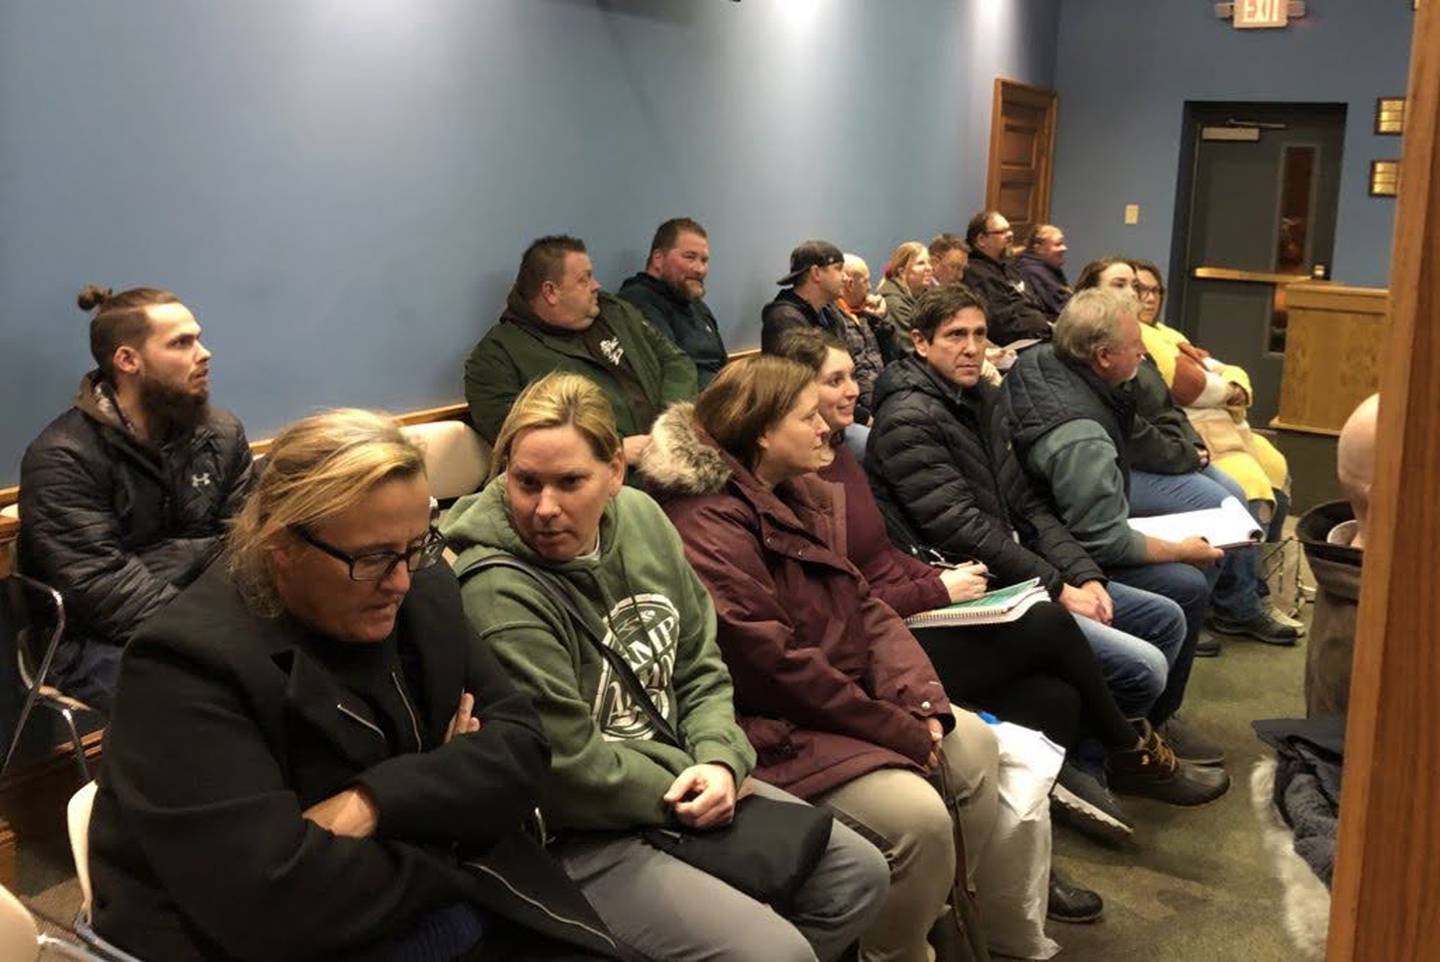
<point>456,458</point>
<point>22,941</point>
<point>29,607</point>
<point>77,821</point>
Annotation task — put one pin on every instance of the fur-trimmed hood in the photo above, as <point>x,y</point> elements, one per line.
<point>682,460</point>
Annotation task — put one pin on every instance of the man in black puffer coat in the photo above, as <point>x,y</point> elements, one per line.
<point>124,497</point>
<point>947,481</point>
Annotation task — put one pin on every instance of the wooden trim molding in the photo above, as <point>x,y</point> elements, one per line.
<point>1385,901</point>
<point>458,411</point>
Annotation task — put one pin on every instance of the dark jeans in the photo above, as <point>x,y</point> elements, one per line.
<point>1037,671</point>
<point>1235,580</point>
<point>1189,588</point>
<point>87,670</point>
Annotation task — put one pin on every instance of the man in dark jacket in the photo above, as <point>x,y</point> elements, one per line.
<point>815,282</point>
<point>670,293</point>
<point>1010,309</point>
<point>124,497</point>
<point>1070,410</point>
<point>557,319</point>
<point>950,487</point>
<point>1042,265</point>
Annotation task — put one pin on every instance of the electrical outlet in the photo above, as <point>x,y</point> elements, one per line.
<point>1132,213</point>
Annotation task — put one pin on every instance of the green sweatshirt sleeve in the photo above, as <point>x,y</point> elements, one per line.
<point>593,783</point>
<point>1078,459</point>
<point>492,382</point>
<point>702,683</point>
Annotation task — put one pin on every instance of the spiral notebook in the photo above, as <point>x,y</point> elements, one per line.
<point>1228,526</point>
<point>993,607</point>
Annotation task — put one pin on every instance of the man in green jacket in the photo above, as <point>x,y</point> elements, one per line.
<point>557,319</point>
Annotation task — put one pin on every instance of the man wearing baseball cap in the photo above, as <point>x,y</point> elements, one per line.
<point>816,279</point>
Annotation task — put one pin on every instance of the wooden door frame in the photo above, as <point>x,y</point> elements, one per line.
<point>1385,902</point>
<point>1043,97</point>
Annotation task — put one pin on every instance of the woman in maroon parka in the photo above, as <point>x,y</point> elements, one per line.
<point>841,703</point>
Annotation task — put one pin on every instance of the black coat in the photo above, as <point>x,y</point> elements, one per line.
<point>790,310</point>
<point>688,323</point>
<point>1162,440</point>
<point>228,726</point>
<point>1010,313</point>
<point>946,478</point>
<point>1047,285</point>
<point>118,526</point>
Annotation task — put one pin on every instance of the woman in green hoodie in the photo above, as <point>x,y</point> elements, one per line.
<point>561,505</point>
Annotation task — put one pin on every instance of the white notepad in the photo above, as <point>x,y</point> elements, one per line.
<point>993,607</point>
<point>1229,526</point>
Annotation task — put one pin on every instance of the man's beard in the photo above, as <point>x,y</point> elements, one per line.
<point>685,292</point>
<point>170,410</point>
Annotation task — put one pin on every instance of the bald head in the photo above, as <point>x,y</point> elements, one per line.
<point>857,283</point>
<point>1355,461</point>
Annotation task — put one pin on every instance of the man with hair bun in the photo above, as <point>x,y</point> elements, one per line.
<point>124,498</point>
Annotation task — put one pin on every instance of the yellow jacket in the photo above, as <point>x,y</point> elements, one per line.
<point>1201,384</point>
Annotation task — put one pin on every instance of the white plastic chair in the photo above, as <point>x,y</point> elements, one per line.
<point>456,458</point>
<point>77,822</point>
<point>21,939</point>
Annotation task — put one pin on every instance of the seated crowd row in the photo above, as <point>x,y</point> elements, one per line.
<point>324,742</point>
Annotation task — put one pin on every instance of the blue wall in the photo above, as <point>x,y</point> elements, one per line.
<point>341,189</point>
<point>1126,67</point>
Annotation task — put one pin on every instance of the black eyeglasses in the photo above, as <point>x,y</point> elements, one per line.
<point>377,565</point>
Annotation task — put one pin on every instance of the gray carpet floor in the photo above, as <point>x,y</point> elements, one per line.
<point>1196,885</point>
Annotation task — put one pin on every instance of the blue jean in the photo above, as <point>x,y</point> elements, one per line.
<point>1188,587</point>
<point>1136,650</point>
<point>1235,592</point>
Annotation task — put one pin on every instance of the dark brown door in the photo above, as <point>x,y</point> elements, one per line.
<point>1022,143</point>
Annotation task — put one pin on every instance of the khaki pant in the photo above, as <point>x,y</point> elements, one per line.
<point>905,817</point>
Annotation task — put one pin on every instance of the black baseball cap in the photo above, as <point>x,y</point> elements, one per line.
<point>812,253</point>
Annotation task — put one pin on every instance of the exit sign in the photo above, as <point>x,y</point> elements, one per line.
<point>1261,13</point>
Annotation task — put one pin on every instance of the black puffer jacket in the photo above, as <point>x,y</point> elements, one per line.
<point>688,323</point>
<point>790,310</point>
<point>117,525</point>
<point>1010,313</point>
<point>945,478</point>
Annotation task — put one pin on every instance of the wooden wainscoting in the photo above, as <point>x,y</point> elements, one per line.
<point>1334,349</point>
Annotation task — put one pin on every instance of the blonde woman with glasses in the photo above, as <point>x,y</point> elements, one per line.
<point>312,756</point>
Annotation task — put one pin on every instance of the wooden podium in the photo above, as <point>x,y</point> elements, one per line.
<point>1334,344</point>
